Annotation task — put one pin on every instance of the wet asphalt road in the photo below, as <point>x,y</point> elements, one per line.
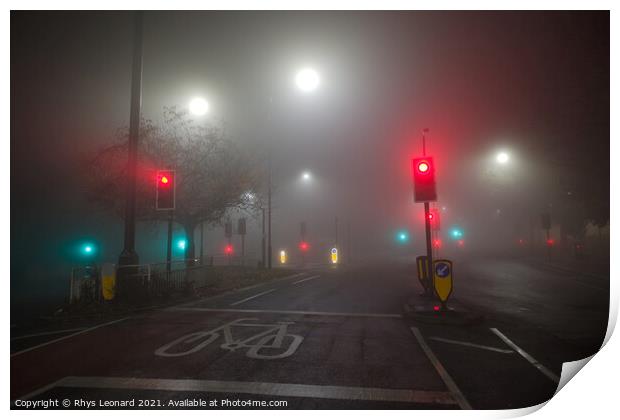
<point>332,338</point>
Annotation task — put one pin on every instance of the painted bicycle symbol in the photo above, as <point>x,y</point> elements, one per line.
<point>272,336</point>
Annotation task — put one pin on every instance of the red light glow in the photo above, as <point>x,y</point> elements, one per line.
<point>164,179</point>
<point>229,249</point>
<point>303,246</point>
<point>550,242</point>
<point>436,308</point>
<point>437,243</point>
<point>423,167</point>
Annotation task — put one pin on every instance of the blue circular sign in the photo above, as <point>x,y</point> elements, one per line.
<point>442,269</point>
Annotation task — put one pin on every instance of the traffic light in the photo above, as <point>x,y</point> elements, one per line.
<point>164,198</point>
<point>228,250</point>
<point>402,236</point>
<point>434,219</point>
<point>456,233</point>
<point>424,180</point>
<point>182,244</point>
<point>303,246</point>
<point>282,257</point>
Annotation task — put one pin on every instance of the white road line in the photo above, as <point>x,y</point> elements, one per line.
<point>47,333</point>
<point>555,378</point>
<point>252,297</point>
<point>445,376</point>
<point>303,280</point>
<point>269,311</point>
<point>468,344</point>
<point>67,336</point>
<point>262,388</point>
<point>243,289</point>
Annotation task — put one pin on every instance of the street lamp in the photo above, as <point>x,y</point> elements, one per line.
<point>198,106</point>
<point>306,176</point>
<point>502,158</point>
<point>307,80</point>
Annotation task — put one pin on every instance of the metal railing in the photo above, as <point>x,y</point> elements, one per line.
<point>153,279</point>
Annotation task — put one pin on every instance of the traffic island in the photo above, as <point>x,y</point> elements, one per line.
<point>429,310</point>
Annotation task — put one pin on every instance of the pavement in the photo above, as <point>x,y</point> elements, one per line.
<point>329,337</point>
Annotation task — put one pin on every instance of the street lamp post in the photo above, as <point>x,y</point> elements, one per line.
<point>307,80</point>
<point>129,256</point>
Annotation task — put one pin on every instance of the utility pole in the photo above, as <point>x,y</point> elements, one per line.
<point>263,239</point>
<point>129,256</point>
<point>269,214</point>
<point>336,230</point>
<point>201,241</point>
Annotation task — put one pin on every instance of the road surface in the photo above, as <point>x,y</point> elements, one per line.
<point>328,338</point>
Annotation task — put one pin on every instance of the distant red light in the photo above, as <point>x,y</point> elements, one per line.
<point>437,243</point>
<point>430,216</point>
<point>461,242</point>
<point>303,246</point>
<point>164,179</point>
<point>229,249</point>
<point>550,242</point>
<point>423,167</point>
<point>436,308</point>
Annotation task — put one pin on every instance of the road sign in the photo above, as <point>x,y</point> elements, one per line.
<point>334,255</point>
<point>108,281</point>
<point>423,277</point>
<point>442,279</point>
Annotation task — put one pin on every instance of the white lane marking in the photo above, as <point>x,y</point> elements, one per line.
<point>262,388</point>
<point>67,336</point>
<point>468,344</point>
<point>252,297</point>
<point>269,311</point>
<point>243,289</point>
<point>527,357</point>
<point>445,376</point>
<point>303,280</point>
<point>46,333</point>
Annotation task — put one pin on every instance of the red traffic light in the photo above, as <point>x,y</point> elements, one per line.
<point>304,246</point>
<point>165,196</point>
<point>424,179</point>
<point>228,250</point>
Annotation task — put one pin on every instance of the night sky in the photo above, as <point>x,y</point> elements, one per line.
<point>534,83</point>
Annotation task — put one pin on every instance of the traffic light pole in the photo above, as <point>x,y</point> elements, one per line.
<point>429,248</point>
<point>129,256</point>
<point>169,243</point>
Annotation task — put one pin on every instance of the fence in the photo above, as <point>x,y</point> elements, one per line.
<point>152,280</point>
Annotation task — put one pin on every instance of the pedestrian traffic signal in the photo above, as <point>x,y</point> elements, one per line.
<point>424,180</point>
<point>164,197</point>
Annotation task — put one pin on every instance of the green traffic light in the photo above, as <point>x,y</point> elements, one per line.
<point>182,244</point>
<point>402,236</point>
<point>456,233</point>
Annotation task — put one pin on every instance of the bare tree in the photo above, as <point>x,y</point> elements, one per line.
<point>213,173</point>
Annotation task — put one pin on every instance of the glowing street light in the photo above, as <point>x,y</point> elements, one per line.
<point>307,80</point>
<point>198,106</point>
<point>502,158</point>
<point>306,176</point>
